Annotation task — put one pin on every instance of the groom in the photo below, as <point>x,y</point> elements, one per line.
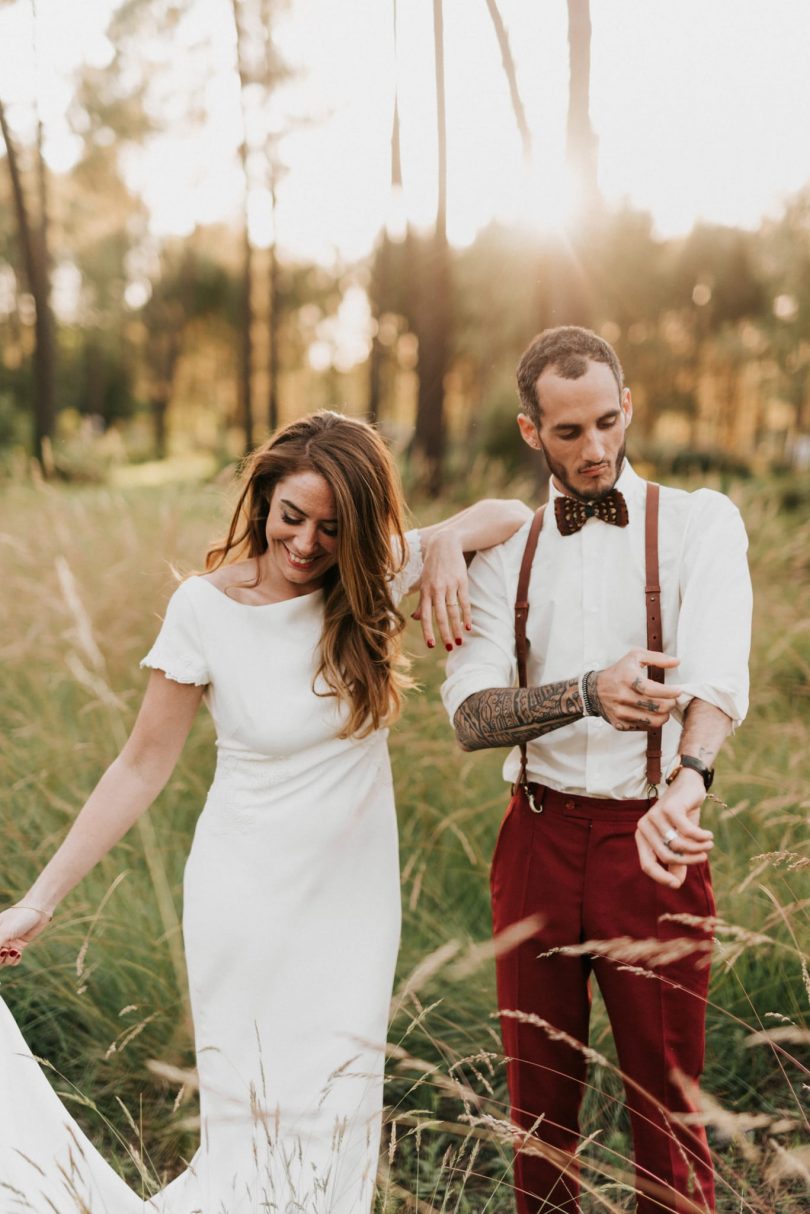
<point>633,631</point>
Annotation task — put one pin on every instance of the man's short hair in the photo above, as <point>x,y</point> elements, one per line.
<point>568,349</point>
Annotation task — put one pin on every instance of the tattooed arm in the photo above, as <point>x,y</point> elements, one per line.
<point>621,694</point>
<point>503,716</point>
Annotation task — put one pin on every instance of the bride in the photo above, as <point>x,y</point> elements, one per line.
<point>291,892</point>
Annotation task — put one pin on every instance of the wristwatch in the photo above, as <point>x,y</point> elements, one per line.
<point>707,773</point>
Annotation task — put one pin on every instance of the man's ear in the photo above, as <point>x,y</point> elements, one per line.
<point>627,406</point>
<point>528,431</point>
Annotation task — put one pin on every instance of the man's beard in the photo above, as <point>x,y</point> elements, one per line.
<point>558,472</point>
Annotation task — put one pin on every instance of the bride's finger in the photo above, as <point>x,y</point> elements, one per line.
<point>454,617</point>
<point>442,622</point>
<point>465,605</point>
<point>424,614</point>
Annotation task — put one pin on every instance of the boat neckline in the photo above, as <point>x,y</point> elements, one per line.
<point>295,598</point>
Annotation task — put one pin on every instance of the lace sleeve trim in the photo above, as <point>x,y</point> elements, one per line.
<point>188,675</point>
<point>408,576</point>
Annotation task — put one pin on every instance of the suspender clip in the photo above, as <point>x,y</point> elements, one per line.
<point>536,806</point>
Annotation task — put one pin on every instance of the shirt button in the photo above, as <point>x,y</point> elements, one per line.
<point>570,805</point>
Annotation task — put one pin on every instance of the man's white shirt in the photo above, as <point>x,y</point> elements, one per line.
<point>587,610</point>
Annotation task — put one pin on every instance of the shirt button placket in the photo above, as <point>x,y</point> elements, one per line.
<point>591,591</point>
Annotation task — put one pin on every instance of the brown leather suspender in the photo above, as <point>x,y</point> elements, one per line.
<point>521,614</point>
<point>652,597</point>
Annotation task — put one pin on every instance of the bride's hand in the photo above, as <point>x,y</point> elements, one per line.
<point>443,591</point>
<point>18,927</point>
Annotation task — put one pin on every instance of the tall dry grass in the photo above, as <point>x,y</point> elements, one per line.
<point>85,575</point>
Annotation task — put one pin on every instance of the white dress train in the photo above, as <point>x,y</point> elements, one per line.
<point>291,925</point>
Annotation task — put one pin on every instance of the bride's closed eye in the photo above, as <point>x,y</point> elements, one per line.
<point>330,531</point>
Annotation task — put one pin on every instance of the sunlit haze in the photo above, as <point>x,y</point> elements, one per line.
<point>696,107</point>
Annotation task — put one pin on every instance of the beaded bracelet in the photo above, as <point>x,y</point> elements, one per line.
<point>588,695</point>
<point>583,695</point>
<point>587,699</point>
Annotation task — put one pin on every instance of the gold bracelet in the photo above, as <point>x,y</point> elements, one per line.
<point>22,906</point>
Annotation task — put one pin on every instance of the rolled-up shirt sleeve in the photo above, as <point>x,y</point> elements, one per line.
<point>487,657</point>
<point>714,624</point>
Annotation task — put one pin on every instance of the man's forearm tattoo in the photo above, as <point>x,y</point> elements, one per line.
<point>508,716</point>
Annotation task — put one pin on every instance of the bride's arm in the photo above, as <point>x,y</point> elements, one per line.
<point>443,582</point>
<point>125,791</point>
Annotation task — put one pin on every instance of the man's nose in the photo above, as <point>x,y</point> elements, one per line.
<point>593,448</point>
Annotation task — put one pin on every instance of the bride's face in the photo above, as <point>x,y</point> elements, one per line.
<point>301,531</point>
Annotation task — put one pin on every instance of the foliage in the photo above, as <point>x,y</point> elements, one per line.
<point>710,328</point>
<point>102,993</point>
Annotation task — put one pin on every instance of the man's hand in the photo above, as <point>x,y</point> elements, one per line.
<point>669,837</point>
<point>627,699</point>
<point>443,591</point>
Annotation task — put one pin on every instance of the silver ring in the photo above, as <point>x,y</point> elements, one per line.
<point>670,835</point>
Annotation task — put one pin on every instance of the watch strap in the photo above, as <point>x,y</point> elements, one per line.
<point>700,767</point>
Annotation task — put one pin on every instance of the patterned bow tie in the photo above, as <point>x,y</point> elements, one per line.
<point>572,514</point>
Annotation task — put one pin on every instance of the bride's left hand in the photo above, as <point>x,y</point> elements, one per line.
<point>443,592</point>
<point>19,925</point>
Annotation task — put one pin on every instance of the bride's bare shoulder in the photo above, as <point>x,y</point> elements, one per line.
<point>238,573</point>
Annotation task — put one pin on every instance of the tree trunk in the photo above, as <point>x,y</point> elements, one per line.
<point>246,360</point>
<point>434,320</point>
<point>273,320</point>
<point>581,140</point>
<point>272,370</point>
<point>246,351</point>
<point>571,293</point>
<point>35,261</point>
<point>381,275</point>
<point>511,76</point>
<point>441,123</point>
<point>379,297</point>
<point>160,408</point>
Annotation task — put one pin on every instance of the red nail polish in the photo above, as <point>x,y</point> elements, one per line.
<point>458,640</point>
<point>448,647</point>
<point>468,627</point>
<point>431,644</point>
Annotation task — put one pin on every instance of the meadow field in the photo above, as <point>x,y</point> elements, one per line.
<point>85,575</point>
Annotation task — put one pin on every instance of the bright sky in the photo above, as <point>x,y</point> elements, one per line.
<point>701,111</point>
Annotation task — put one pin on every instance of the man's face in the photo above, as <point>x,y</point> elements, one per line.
<point>582,429</point>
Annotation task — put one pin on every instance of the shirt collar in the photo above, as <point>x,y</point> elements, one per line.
<point>629,483</point>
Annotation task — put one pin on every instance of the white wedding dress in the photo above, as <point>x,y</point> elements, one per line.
<point>291,924</point>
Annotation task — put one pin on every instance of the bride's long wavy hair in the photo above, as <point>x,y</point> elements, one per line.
<point>361,658</point>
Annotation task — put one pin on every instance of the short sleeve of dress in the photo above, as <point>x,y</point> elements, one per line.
<point>411,571</point>
<point>178,649</point>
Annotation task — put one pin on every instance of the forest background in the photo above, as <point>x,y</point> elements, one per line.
<point>144,349</point>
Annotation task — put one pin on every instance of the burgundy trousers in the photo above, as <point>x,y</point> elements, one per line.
<point>575,866</point>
